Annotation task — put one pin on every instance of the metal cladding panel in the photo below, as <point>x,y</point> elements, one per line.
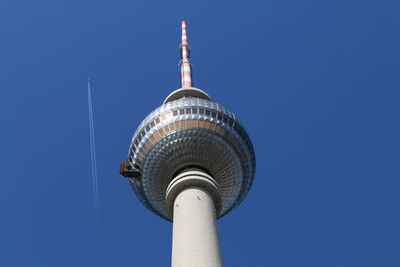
<point>187,132</point>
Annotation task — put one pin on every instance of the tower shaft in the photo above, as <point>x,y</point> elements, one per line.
<point>195,240</point>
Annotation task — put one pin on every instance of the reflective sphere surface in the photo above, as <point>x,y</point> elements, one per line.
<point>191,132</point>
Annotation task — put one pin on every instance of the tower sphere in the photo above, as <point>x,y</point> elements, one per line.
<point>189,130</point>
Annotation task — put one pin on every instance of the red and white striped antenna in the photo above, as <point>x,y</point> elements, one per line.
<point>185,63</point>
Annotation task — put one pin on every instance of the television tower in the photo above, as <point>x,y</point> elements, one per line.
<point>191,162</point>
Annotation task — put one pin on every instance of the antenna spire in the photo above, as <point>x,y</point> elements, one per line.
<point>185,64</point>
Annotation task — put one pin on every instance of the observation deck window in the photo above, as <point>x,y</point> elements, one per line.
<point>212,126</point>
<point>148,145</point>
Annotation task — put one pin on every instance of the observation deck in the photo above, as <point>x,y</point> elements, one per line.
<point>190,131</point>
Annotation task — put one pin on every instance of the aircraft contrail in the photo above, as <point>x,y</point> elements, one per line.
<point>93,153</point>
<point>95,179</point>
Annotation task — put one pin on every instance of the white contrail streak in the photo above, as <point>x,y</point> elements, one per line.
<point>95,179</point>
<point>93,153</point>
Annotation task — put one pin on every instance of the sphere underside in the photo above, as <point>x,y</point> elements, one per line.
<point>191,132</point>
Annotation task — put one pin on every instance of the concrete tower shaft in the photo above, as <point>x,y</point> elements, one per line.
<point>193,200</point>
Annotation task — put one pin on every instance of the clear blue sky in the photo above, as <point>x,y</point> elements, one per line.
<point>316,84</point>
